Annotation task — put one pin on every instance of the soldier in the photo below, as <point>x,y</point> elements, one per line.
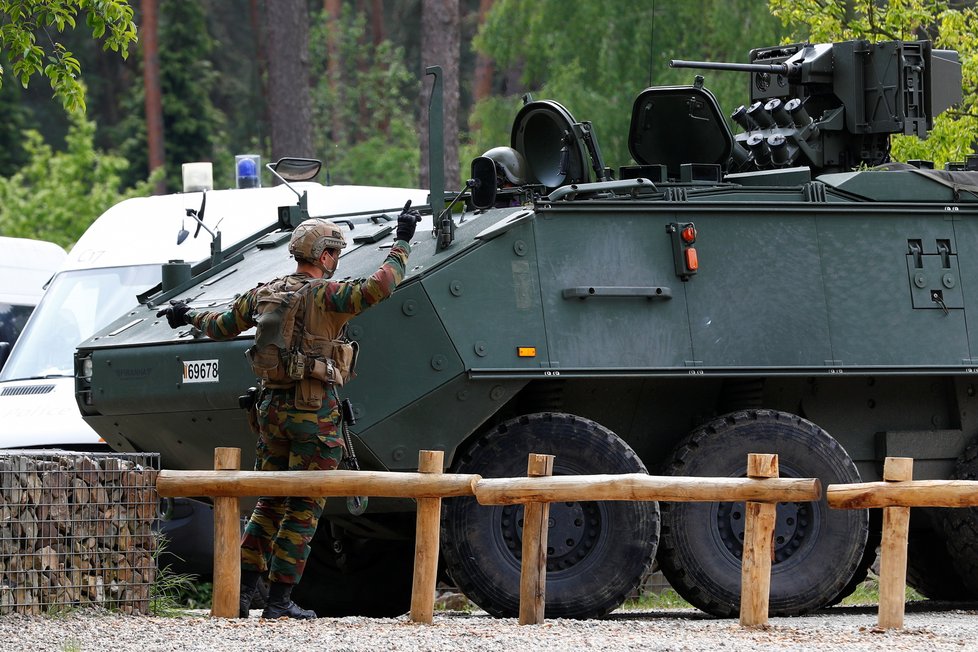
<point>300,355</point>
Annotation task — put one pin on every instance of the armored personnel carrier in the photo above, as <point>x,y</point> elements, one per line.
<point>781,290</point>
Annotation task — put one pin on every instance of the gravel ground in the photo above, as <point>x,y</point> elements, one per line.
<point>925,628</point>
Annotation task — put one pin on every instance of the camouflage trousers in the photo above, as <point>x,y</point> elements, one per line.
<point>277,536</point>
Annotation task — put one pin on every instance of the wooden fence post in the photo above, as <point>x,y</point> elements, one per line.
<point>755,584</point>
<point>426,544</point>
<point>893,548</point>
<point>533,573</point>
<point>227,542</point>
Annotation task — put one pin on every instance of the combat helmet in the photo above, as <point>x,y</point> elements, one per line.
<point>510,163</point>
<point>314,236</point>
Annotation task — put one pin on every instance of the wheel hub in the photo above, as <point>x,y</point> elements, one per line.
<point>572,532</point>
<point>791,526</point>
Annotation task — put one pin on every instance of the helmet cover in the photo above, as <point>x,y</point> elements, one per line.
<point>311,238</point>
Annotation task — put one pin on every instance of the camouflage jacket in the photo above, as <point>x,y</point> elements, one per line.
<point>350,297</point>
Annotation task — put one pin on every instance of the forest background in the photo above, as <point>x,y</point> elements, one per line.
<point>343,81</point>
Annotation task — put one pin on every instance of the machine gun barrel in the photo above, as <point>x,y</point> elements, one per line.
<point>775,68</point>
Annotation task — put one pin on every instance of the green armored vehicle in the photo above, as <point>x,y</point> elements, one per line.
<point>781,290</point>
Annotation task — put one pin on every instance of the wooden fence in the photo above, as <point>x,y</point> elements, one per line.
<point>762,489</point>
<point>896,494</point>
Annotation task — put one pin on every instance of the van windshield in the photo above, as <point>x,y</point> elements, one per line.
<point>76,305</point>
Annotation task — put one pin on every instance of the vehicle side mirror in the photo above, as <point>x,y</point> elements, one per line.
<point>484,190</point>
<point>296,169</point>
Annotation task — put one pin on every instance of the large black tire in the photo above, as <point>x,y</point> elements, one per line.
<point>930,569</point>
<point>817,550</point>
<point>961,525</point>
<point>870,556</point>
<point>369,577</point>
<point>597,552</point>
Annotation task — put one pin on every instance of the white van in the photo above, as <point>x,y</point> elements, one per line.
<point>118,257</point>
<point>25,268</point>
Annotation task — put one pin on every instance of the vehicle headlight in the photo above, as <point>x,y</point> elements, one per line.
<point>85,368</point>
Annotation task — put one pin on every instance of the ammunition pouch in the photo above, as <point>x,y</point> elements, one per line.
<point>266,362</point>
<point>309,394</point>
<point>333,361</point>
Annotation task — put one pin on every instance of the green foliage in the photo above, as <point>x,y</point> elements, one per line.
<point>363,109</point>
<point>194,594</point>
<point>955,28</point>
<point>168,593</point>
<point>595,58</point>
<point>192,127</point>
<point>22,22</point>
<point>15,120</point>
<point>57,195</point>
<point>190,122</point>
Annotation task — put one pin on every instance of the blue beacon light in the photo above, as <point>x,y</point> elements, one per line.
<point>246,168</point>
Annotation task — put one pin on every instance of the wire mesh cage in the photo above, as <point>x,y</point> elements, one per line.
<point>76,530</point>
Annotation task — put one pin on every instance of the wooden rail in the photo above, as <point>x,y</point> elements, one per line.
<point>761,490</point>
<point>896,495</point>
<point>638,486</point>
<point>226,484</point>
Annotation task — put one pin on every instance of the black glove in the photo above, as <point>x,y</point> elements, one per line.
<point>407,221</point>
<point>176,314</point>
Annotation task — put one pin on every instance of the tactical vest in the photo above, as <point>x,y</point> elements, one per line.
<point>297,344</point>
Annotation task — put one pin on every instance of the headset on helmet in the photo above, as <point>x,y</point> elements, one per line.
<point>510,162</point>
<point>311,238</point>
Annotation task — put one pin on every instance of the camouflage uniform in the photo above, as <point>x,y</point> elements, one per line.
<point>278,533</point>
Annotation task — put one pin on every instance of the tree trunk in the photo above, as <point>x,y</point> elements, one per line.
<point>334,70</point>
<point>261,55</point>
<point>440,47</point>
<point>377,35</point>
<point>289,103</point>
<point>153,96</point>
<point>377,21</point>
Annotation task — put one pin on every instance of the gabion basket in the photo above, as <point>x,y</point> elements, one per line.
<point>76,530</point>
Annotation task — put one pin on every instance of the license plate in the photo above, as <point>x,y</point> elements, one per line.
<point>200,371</point>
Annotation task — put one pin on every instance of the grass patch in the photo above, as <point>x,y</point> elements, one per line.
<point>868,594</point>
<point>667,599</point>
<point>173,593</point>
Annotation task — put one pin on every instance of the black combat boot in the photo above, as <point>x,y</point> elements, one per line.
<point>249,589</point>
<point>279,604</point>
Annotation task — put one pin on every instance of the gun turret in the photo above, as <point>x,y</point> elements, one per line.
<point>833,106</point>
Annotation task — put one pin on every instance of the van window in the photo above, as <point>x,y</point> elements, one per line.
<point>76,305</point>
<point>12,320</point>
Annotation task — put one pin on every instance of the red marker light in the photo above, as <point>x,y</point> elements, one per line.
<point>689,235</point>
<point>692,263</point>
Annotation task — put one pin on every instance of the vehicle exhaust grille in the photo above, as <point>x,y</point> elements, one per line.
<point>24,390</point>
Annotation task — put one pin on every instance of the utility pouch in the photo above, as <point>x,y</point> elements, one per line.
<point>297,365</point>
<point>326,371</point>
<point>333,359</point>
<point>309,394</point>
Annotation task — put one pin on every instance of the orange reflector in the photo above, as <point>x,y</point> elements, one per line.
<point>526,351</point>
<point>692,263</point>
<point>689,234</point>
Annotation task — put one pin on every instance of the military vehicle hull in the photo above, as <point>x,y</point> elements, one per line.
<point>805,309</point>
<point>671,321</point>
